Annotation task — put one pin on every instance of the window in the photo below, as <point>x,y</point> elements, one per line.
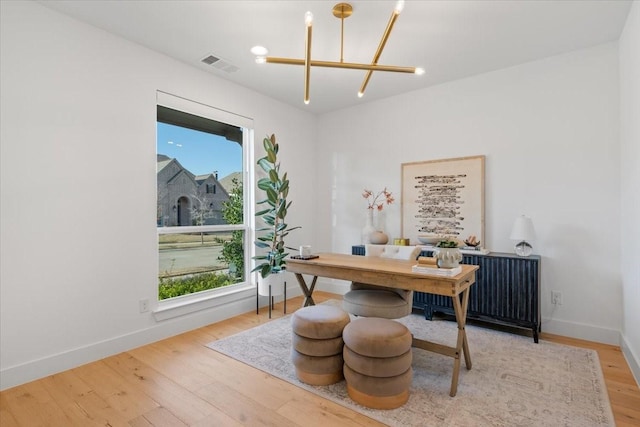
<point>202,159</point>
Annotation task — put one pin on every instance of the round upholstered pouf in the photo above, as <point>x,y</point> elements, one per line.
<point>319,321</point>
<point>376,392</point>
<point>318,370</point>
<point>377,362</point>
<point>317,344</point>
<point>319,347</point>
<point>377,366</point>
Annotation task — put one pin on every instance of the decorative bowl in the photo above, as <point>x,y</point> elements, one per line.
<point>429,239</point>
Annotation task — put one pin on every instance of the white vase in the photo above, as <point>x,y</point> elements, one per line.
<point>275,280</point>
<point>368,228</point>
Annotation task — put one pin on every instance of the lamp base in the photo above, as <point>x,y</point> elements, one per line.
<point>523,249</point>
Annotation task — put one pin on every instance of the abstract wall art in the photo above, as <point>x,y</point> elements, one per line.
<point>443,197</point>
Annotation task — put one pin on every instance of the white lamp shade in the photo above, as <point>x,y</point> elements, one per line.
<point>523,229</point>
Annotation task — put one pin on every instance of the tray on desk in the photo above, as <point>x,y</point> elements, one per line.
<point>306,257</point>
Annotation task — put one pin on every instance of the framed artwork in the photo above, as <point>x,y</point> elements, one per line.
<point>443,198</point>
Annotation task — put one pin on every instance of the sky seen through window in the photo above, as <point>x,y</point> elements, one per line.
<point>199,152</point>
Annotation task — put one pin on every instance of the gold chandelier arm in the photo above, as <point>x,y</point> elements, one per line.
<point>342,38</point>
<point>383,42</point>
<point>341,11</point>
<point>333,64</point>
<point>307,58</point>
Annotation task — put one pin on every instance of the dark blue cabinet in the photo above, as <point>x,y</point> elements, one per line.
<point>506,292</point>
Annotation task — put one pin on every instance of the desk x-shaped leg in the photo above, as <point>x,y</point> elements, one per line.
<point>460,308</point>
<point>307,291</point>
<point>462,347</point>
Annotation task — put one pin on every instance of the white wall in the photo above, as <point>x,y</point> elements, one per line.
<point>550,133</point>
<point>79,244</point>
<point>630,183</point>
<point>77,132</point>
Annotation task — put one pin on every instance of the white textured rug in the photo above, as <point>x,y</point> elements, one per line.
<point>513,382</point>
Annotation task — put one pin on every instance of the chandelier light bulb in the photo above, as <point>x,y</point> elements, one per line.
<point>308,18</point>
<point>259,51</point>
<point>360,94</point>
<point>419,71</point>
<point>399,7</point>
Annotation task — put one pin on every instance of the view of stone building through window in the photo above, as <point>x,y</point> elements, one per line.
<point>200,212</point>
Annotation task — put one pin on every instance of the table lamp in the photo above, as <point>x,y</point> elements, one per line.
<point>521,232</point>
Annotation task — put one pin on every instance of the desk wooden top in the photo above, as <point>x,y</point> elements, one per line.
<point>384,272</point>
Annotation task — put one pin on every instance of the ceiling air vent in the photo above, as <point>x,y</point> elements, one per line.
<point>220,64</point>
<point>210,60</point>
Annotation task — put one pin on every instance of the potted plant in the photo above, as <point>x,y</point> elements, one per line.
<point>447,253</point>
<point>276,188</point>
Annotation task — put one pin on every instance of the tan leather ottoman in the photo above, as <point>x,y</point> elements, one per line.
<point>377,362</point>
<point>317,343</point>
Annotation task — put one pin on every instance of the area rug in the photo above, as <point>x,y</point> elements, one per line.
<point>513,381</point>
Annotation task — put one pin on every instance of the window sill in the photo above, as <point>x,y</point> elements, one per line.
<point>180,306</point>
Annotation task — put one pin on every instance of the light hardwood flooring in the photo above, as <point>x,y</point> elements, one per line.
<point>180,382</point>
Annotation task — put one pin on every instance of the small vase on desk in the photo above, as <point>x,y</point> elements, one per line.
<point>368,228</point>
<point>378,238</point>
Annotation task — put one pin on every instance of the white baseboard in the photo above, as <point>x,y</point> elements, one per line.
<point>632,359</point>
<point>581,331</point>
<point>35,369</point>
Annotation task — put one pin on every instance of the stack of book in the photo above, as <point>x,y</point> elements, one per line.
<point>436,271</point>
<point>429,265</point>
<point>469,250</point>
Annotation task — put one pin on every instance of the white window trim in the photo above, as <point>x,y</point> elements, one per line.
<point>185,304</point>
<point>203,110</point>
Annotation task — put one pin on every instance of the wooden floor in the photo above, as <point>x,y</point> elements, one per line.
<point>179,382</point>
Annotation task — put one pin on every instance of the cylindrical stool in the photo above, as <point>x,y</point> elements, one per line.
<point>377,362</point>
<point>317,343</point>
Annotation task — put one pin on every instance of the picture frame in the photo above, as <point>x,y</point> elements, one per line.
<point>443,197</point>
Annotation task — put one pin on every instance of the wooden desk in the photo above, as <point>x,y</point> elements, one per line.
<point>397,274</point>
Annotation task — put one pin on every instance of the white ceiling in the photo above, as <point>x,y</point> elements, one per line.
<point>450,39</point>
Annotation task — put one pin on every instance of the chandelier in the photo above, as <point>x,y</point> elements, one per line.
<point>341,11</point>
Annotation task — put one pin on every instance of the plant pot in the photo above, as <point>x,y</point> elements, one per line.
<point>448,257</point>
<point>275,280</point>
